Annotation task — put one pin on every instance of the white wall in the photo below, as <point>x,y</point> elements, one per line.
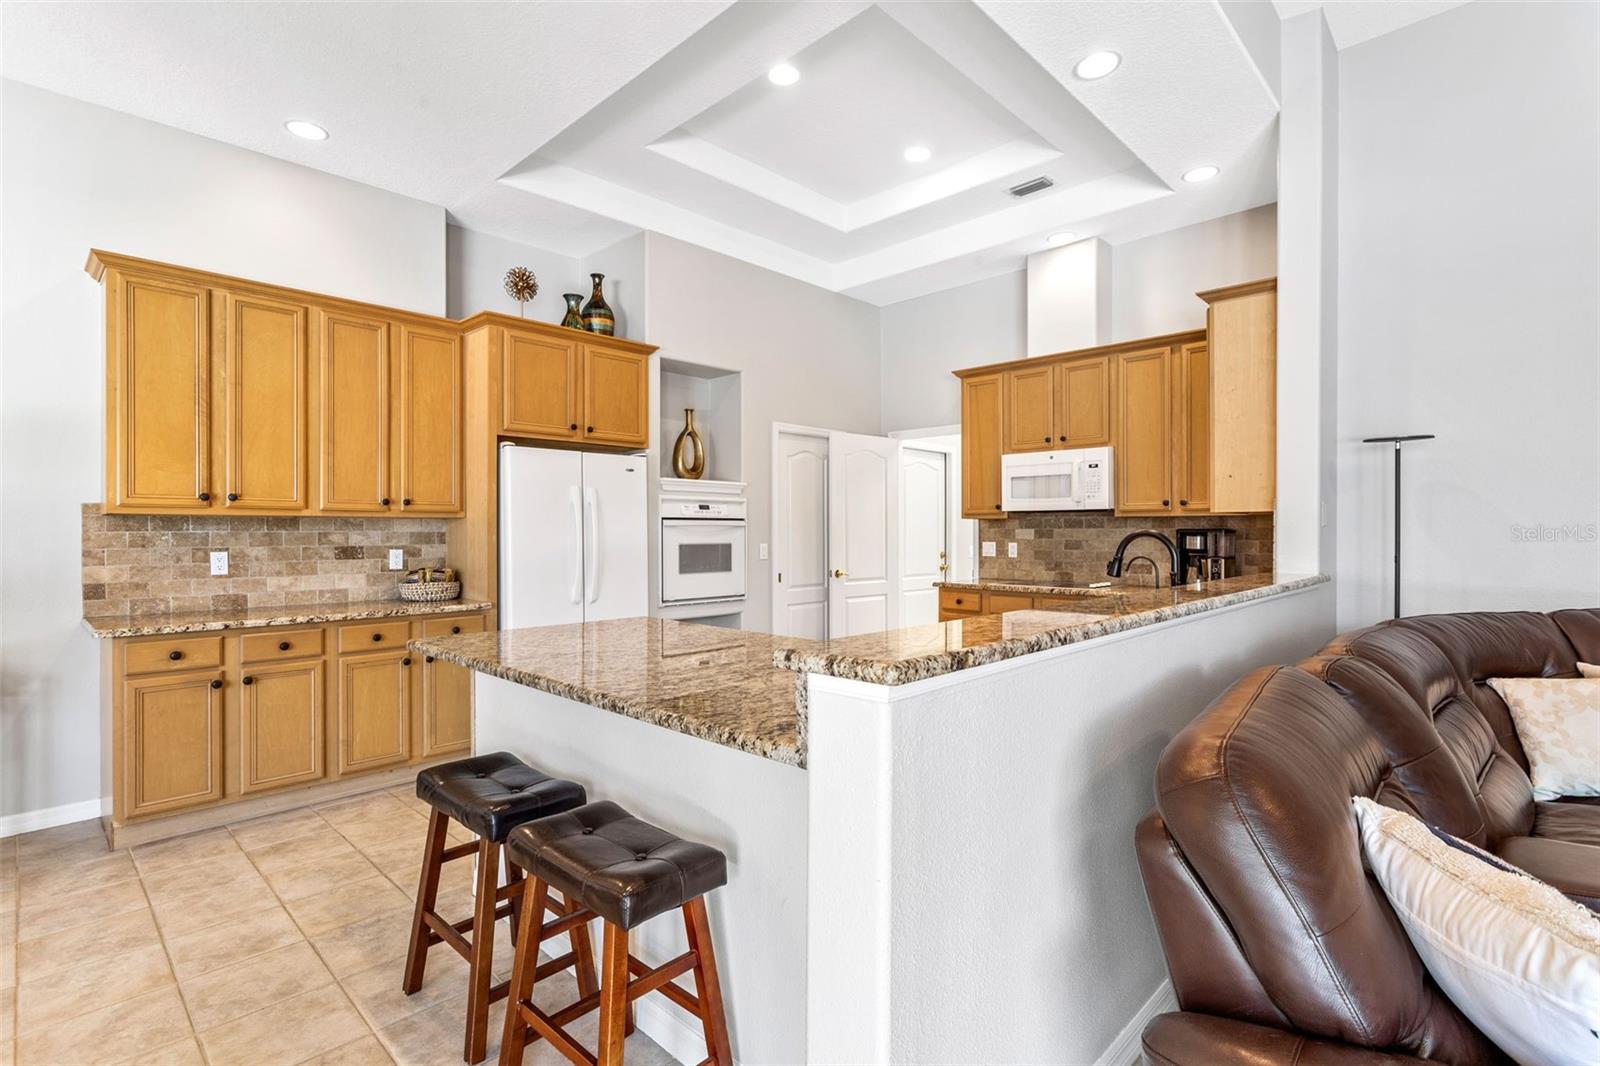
<point>78,176</point>
<point>806,355</point>
<point>475,272</point>
<point>1469,266</point>
<point>1069,297</point>
<point>1154,279</point>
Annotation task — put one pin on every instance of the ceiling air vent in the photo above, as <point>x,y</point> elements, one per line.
<point>1028,188</point>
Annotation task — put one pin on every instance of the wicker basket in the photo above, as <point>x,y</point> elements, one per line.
<point>430,591</point>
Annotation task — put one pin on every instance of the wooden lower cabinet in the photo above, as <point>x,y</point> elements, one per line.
<point>207,720</point>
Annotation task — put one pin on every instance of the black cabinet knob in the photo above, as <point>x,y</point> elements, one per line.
<point>216,683</point>
<point>406,502</point>
<point>997,507</point>
<point>232,496</point>
<point>573,426</point>
<point>174,655</point>
<point>1183,503</point>
<point>428,659</point>
<point>283,645</point>
<point>376,637</point>
<point>204,496</point>
<point>589,430</point>
<point>384,501</point>
<point>1166,503</point>
<point>959,601</point>
<point>1047,440</point>
<point>455,629</point>
<point>249,680</point>
<point>406,661</point>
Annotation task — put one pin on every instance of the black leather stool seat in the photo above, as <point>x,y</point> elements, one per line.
<point>493,794</point>
<point>625,870</point>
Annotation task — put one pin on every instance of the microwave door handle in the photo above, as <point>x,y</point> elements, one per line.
<point>577,544</point>
<point>591,506</point>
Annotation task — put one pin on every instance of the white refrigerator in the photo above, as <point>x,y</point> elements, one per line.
<point>573,537</point>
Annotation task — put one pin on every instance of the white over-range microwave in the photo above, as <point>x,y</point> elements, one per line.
<point>1073,479</point>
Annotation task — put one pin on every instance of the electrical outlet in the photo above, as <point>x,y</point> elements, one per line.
<point>397,559</point>
<point>761,550</point>
<point>1011,549</point>
<point>219,564</point>
<point>988,549</point>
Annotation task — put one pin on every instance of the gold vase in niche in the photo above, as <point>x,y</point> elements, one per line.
<point>689,454</point>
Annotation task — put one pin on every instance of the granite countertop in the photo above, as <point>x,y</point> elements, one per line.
<point>713,683</point>
<point>151,625</point>
<point>1025,589</point>
<point>900,656</point>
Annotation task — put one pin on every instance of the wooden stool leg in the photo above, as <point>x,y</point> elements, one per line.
<point>524,970</point>
<point>427,897</point>
<point>583,948</point>
<point>513,877</point>
<point>480,967</point>
<point>613,995</point>
<point>707,985</point>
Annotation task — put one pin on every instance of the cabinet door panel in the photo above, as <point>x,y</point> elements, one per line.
<point>1085,416</point>
<point>265,404</point>
<point>353,397</point>
<point>446,693</point>
<point>1144,437</point>
<point>430,422</point>
<point>171,743</point>
<point>280,726</point>
<point>1030,409</point>
<point>158,409</point>
<point>374,712</point>
<point>539,394</point>
<point>615,396</point>
<point>981,424</point>
<point>1192,457</point>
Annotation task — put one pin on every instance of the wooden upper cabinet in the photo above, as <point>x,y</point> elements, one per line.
<point>982,438</point>
<point>540,380</point>
<point>1084,417</point>
<point>158,394</point>
<point>1143,455</point>
<point>1242,336</point>
<point>264,408</point>
<point>353,412</point>
<point>1030,404</point>
<point>171,742</point>
<point>616,391</point>
<point>429,429</point>
<point>1191,459</point>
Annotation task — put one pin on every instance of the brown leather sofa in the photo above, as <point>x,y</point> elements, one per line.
<point>1281,948</point>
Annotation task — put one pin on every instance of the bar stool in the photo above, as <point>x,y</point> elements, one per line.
<point>625,871</point>
<point>490,795</point>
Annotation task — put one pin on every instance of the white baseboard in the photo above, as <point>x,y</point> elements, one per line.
<point>48,817</point>
<point>1127,1048</point>
<point>677,1031</point>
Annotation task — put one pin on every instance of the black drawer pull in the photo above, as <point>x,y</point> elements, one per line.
<point>455,629</point>
<point>429,659</point>
<point>283,645</point>
<point>376,637</point>
<point>174,655</point>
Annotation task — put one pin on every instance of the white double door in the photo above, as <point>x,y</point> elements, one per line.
<point>859,534</point>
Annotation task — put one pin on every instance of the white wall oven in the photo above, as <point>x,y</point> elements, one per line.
<point>702,549</point>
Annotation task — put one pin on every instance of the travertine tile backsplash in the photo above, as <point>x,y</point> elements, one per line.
<point>1063,548</point>
<point>151,564</point>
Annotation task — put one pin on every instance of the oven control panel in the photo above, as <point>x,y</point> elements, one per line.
<point>677,507</point>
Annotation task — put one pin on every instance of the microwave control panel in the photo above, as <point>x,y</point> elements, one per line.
<point>1094,479</point>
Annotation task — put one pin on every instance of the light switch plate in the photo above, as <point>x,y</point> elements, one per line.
<point>988,549</point>
<point>761,550</point>
<point>219,564</point>
<point>397,559</point>
<point>1011,549</point>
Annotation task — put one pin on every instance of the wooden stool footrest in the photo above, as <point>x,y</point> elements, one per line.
<point>459,851</point>
<point>661,977</point>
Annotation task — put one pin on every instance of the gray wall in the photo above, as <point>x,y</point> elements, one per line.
<point>1469,267</point>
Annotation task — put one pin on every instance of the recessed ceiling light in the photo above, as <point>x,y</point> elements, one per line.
<point>918,153</point>
<point>1205,173</point>
<point>783,74</point>
<point>307,130</point>
<point>1056,240</point>
<point>1097,65</point>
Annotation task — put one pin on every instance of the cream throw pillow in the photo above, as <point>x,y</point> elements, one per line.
<point>1518,958</point>
<point>1558,722</point>
<point>1589,669</point>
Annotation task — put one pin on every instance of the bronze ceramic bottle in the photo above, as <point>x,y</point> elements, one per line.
<point>597,316</point>
<point>689,454</point>
<point>574,316</point>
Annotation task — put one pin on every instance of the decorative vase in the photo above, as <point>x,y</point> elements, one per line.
<point>574,317</point>
<point>689,454</point>
<point>597,316</point>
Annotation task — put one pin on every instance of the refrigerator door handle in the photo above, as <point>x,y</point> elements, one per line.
<point>577,544</point>
<point>591,552</point>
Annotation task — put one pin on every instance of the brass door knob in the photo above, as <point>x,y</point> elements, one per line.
<point>838,573</point>
<point>943,568</point>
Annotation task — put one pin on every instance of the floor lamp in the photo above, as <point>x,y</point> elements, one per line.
<point>1397,442</point>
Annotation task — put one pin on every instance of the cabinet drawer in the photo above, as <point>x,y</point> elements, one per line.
<point>445,627</point>
<point>1000,602</point>
<point>374,636</point>
<point>175,653</point>
<point>281,644</point>
<point>959,601</point>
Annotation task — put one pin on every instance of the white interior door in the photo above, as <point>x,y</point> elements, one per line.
<point>616,580</point>
<point>863,534</point>
<point>800,537</point>
<point>923,528</point>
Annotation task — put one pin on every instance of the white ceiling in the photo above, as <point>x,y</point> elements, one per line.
<point>1351,22</point>
<point>571,125</point>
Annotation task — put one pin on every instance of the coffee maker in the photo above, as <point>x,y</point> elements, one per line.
<point>1207,554</point>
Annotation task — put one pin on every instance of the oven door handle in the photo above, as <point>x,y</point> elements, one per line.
<point>577,543</point>
<point>704,523</point>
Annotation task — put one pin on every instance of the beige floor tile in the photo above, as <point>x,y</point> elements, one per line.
<point>277,828</point>
<point>8,966</point>
<point>86,838</point>
<point>62,995</point>
<point>376,991</point>
<point>287,1032</point>
<point>301,851</point>
<point>232,873</point>
<point>121,1032</point>
<point>41,880</point>
<point>8,1019</point>
<point>181,915</point>
<point>407,794</point>
<point>209,846</point>
<point>244,987</point>
<point>362,808</point>
<point>407,827</point>
<point>68,910</point>
<point>368,1051</point>
<point>347,903</point>
<point>380,940</point>
<point>85,945</point>
<point>185,1052</point>
<point>436,1035</point>
<point>319,875</point>
<point>222,945</point>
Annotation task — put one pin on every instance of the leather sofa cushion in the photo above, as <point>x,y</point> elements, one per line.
<point>1189,1039</point>
<point>1570,868</point>
<point>1578,823</point>
<point>1582,628</point>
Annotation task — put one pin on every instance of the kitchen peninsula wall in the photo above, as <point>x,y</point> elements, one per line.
<point>1063,548</point>
<point>152,564</point>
